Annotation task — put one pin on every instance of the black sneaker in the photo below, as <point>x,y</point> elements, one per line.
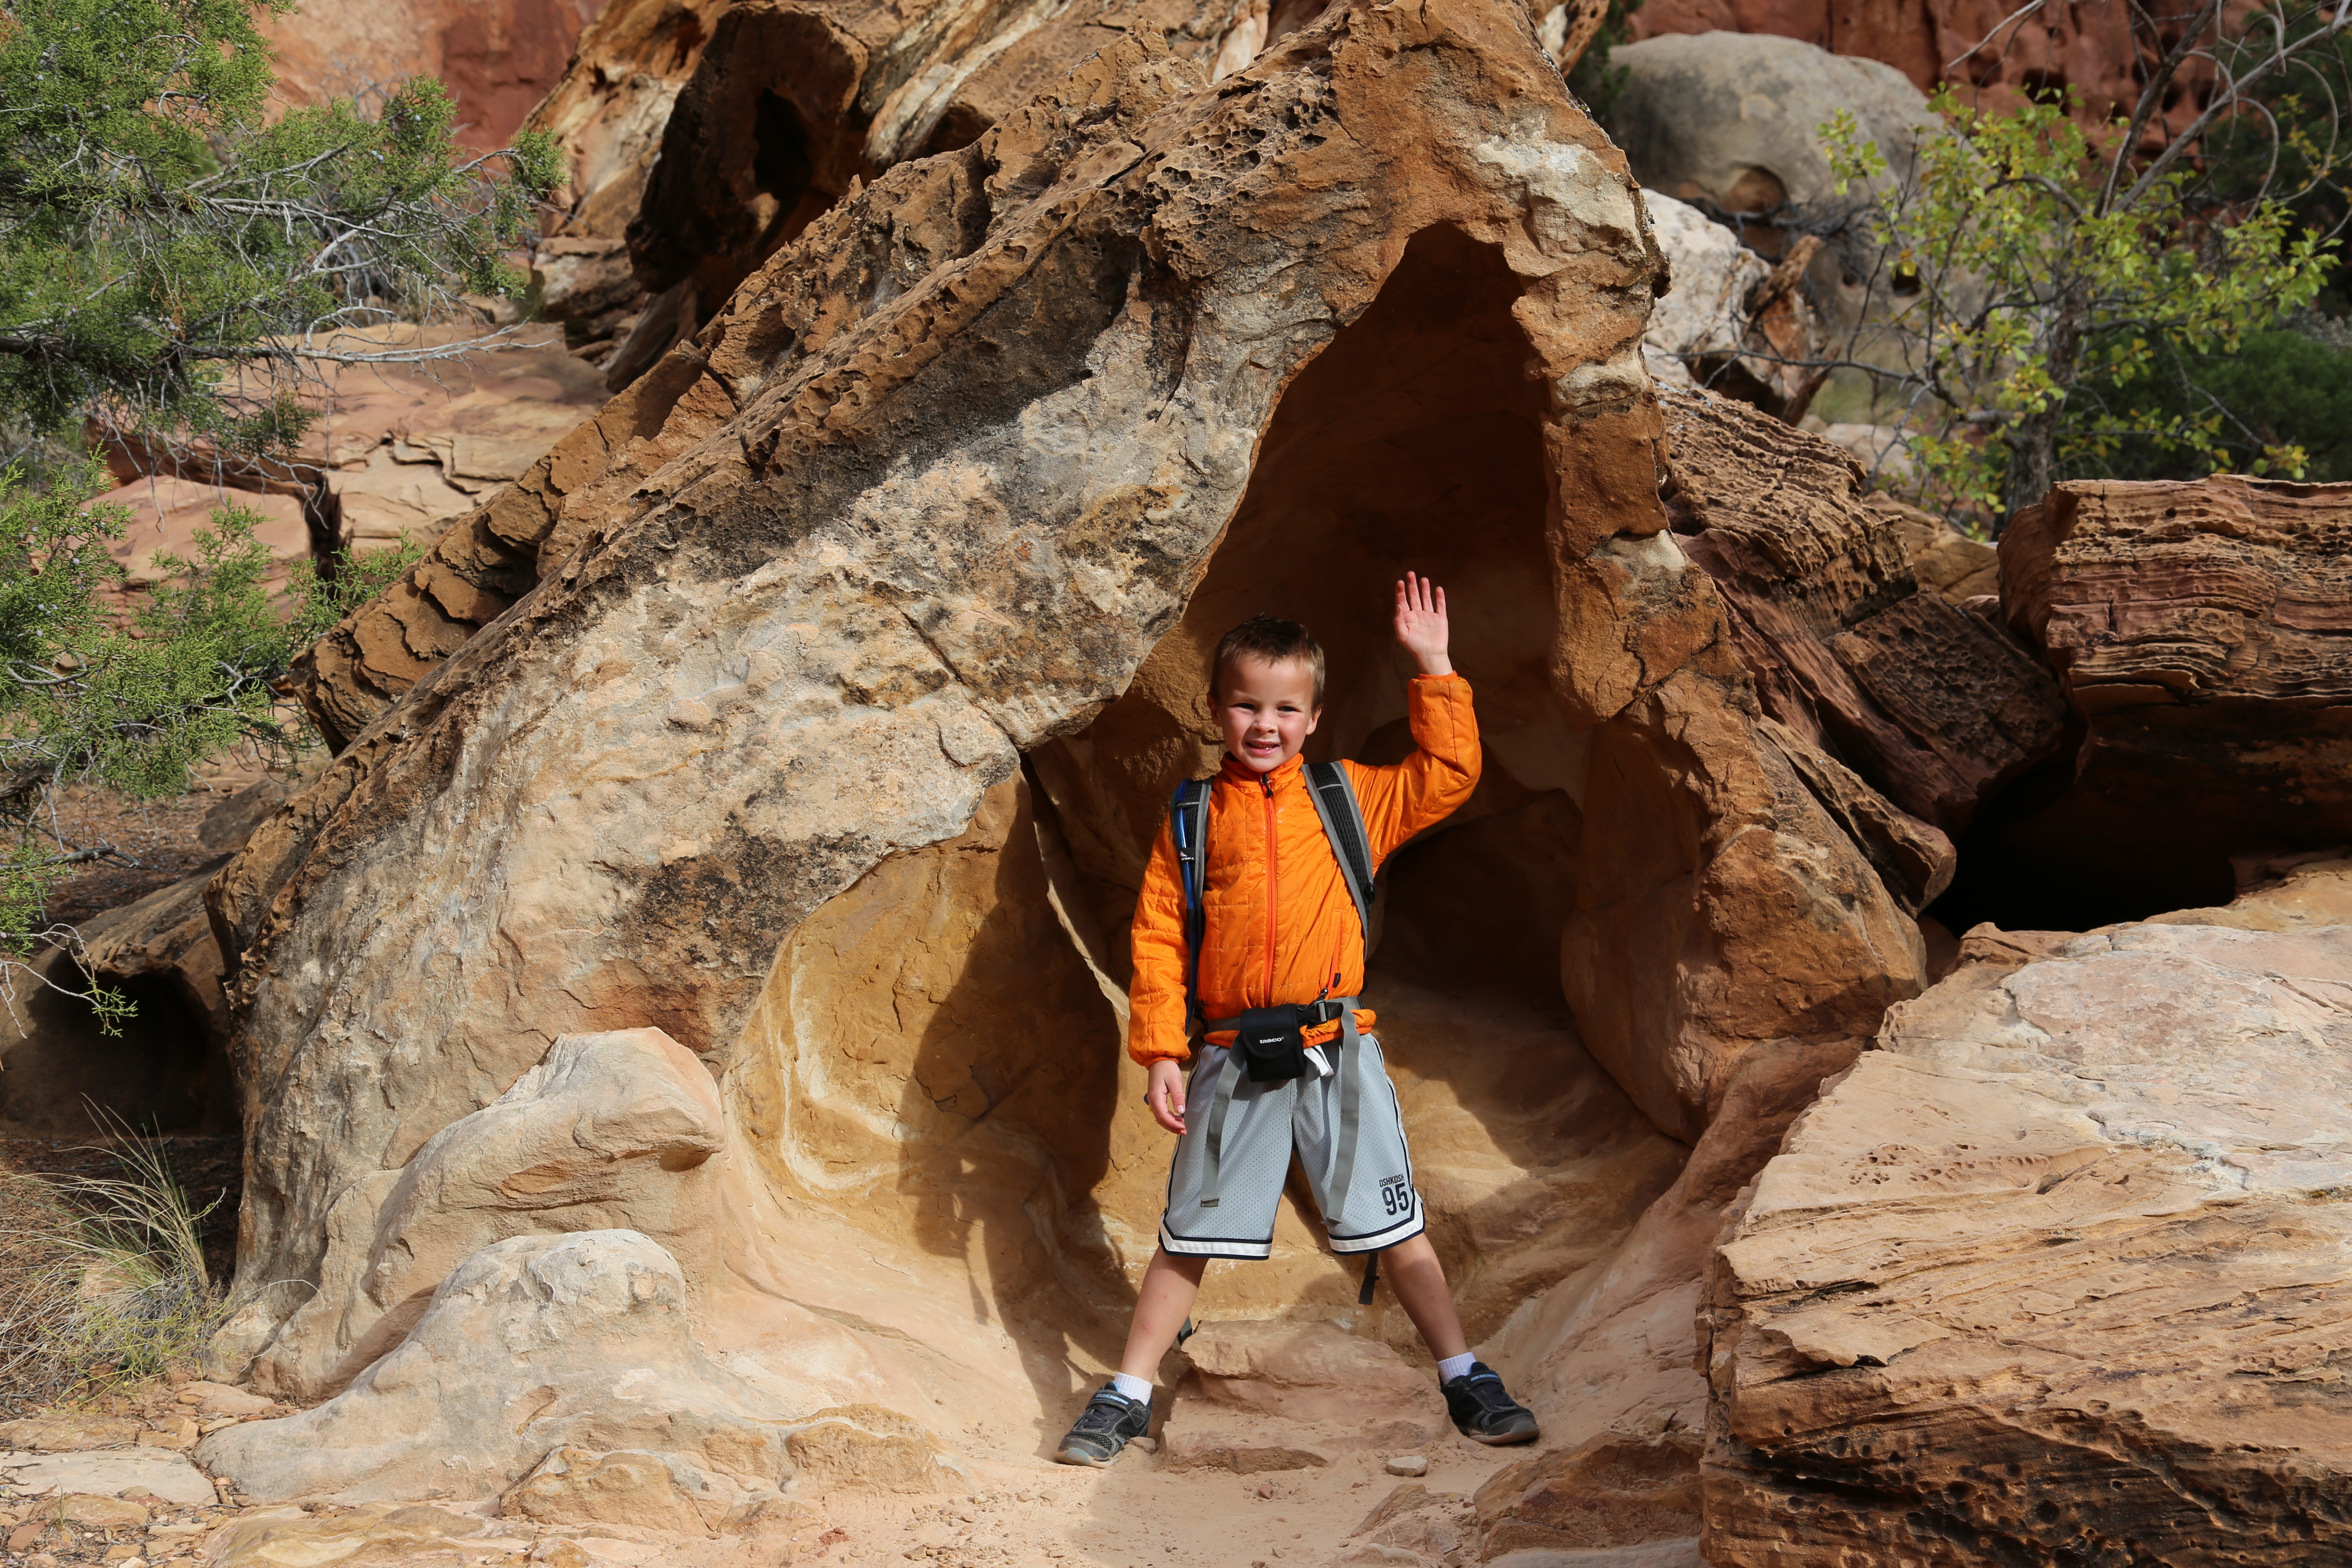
<point>1484,1412</point>
<point>1107,1424</point>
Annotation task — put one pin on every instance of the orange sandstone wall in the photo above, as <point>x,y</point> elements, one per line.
<point>500,56</point>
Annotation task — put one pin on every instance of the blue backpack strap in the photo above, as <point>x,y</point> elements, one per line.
<point>1334,796</point>
<point>1188,824</point>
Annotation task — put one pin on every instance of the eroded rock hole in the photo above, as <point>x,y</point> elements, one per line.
<point>937,1054</point>
<point>163,1071</point>
<point>1413,442</point>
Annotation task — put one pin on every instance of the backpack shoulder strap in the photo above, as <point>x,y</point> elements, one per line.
<point>1334,797</point>
<point>1188,824</point>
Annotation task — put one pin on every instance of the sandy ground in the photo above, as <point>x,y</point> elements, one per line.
<point>1138,1515</point>
<point>1133,1515</point>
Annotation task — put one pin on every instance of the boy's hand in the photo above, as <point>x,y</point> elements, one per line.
<point>1420,623</point>
<point>1165,1094</point>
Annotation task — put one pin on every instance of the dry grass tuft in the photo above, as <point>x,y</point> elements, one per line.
<point>103,1280</point>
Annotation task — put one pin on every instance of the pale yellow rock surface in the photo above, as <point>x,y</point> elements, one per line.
<point>106,1472</point>
<point>609,1130</point>
<point>533,1344</point>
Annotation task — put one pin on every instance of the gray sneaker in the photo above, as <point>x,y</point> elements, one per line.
<point>1107,1424</point>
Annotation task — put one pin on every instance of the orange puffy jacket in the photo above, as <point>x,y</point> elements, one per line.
<point>1280,923</point>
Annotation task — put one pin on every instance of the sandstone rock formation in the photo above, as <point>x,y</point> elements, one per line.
<point>166,512</point>
<point>1613,1491</point>
<point>702,136</point>
<point>2058,1272</point>
<point>1934,706</point>
<point>533,1346</point>
<point>863,646</point>
<point>1277,1396</point>
<point>1732,321</point>
<point>2198,631</point>
<point>1736,119</point>
<point>405,449</point>
<point>609,1130</point>
<point>152,1472</point>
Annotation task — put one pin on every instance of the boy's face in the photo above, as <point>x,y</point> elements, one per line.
<point>1266,709</point>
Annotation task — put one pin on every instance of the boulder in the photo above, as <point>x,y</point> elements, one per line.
<point>826,735</point>
<point>2197,631</point>
<point>608,1130</point>
<point>533,1344</point>
<point>1732,320</point>
<point>2057,1273</point>
<point>1734,119</point>
<point>1934,707</point>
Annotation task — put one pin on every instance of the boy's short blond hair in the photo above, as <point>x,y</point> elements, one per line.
<point>1272,638</point>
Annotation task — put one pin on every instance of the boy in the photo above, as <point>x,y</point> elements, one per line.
<point>1280,927</point>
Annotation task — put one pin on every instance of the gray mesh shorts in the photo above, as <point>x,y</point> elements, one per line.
<point>1263,1125</point>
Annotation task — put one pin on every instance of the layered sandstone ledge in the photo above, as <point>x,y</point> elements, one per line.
<point>2062,1270</point>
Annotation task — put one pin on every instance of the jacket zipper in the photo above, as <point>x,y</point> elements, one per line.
<point>1271,884</point>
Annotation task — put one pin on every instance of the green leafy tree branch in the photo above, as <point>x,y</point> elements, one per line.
<point>2051,295</point>
<point>177,265</point>
<point>183,264</point>
<point>133,701</point>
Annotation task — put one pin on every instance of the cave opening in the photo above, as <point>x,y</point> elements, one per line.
<point>1414,441</point>
<point>162,1069</point>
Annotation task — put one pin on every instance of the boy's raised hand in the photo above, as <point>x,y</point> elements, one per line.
<point>1420,623</point>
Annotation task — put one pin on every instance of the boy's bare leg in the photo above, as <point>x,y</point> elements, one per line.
<point>1169,1284</point>
<point>1419,1280</point>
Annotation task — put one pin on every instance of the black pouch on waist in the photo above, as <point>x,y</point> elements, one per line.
<point>1271,1041</point>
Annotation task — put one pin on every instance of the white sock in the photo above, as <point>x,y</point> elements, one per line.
<point>1136,1388</point>
<point>1454,1366</point>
